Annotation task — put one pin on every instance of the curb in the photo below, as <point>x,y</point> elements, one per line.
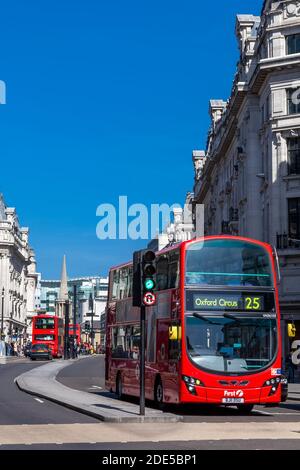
<point>294,398</point>
<point>91,410</point>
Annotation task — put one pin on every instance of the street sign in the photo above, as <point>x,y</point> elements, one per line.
<point>149,299</point>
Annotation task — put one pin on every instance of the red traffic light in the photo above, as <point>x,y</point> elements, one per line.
<point>149,256</point>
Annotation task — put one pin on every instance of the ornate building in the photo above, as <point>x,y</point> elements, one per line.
<point>18,276</point>
<point>249,176</point>
<point>182,227</point>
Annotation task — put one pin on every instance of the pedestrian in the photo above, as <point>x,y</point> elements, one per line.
<point>291,367</point>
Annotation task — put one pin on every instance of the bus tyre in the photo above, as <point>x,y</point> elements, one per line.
<point>119,387</point>
<point>158,392</point>
<point>245,409</point>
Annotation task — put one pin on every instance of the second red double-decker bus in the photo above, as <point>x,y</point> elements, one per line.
<point>213,335</point>
<point>49,329</point>
<point>75,331</point>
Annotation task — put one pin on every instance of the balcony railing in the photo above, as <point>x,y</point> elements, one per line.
<point>225,227</point>
<point>284,241</point>
<point>233,215</point>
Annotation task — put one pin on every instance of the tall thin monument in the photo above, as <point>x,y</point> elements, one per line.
<point>63,291</point>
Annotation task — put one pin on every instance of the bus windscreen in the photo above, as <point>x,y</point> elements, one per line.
<point>228,263</point>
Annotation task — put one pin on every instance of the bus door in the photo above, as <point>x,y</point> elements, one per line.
<point>174,351</point>
<point>168,355</point>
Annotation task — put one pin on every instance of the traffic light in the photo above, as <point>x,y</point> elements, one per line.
<point>87,326</point>
<point>144,282</point>
<point>291,330</point>
<point>136,279</point>
<point>148,278</point>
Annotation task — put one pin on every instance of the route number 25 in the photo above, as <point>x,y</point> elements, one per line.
<point>252,303</point>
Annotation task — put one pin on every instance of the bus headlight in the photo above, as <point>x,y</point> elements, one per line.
<point>274,384</point>
<point>191,384</point>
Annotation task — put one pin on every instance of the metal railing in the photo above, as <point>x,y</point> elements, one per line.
<point>284,241</point>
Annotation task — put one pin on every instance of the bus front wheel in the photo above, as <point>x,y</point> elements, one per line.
<point>245,409</point>
<point>158,392</point>
<point>119,387</point>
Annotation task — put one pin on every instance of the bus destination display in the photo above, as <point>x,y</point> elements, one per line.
<point>248,303</point>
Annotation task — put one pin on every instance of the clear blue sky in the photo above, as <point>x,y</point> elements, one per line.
<point>98,93</point>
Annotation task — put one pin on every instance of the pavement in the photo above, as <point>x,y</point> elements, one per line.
<point>13,359</point>
<point>42,382</point>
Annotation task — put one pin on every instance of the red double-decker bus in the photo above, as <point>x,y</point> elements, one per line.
<point>75,331</point>
<point>49,329</point>
<point>213,335</point>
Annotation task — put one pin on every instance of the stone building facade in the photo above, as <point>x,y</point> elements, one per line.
<point>180,229</point>
<point>248,177</point>
<point>18,276</point>
<point>97,286</point>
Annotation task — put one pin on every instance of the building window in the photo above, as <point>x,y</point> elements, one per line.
<point>293,147</point>
<point>293,101</point>
<point>293,44</point>
<point>294,219</point>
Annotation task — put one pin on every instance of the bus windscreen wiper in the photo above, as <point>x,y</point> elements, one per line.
<point>230,316</point>
<point>197,315</point>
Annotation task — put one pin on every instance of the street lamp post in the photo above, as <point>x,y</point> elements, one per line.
<point>2,313</point>
<point>67,339</point>
<point>74,305</point>
<point>91,308</point>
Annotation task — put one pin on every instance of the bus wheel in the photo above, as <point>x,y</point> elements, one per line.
<point>119,388</point>
<point>158,392</point>
<point>245,409</point>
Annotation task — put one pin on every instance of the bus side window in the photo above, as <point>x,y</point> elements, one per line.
<point>118,343</point>
<point>174,270</point>
<point>135,343</point>
<point>123,283</point>
<point>130,281</point>
<point>115,284</point>
<point>162,272</point>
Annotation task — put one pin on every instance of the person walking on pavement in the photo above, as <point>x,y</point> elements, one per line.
<point>291,368</point>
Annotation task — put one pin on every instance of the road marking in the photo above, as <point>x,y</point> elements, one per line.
<point>39,400</point>
<point>96,386</point>
<point>262,413</point>
<point>285,414</point>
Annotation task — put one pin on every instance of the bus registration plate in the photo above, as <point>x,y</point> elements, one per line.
<point>229,401</point>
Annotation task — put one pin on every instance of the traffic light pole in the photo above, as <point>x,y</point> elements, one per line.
<point>142,359</point>
<point>144,270</point>
<point>67,322</point>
